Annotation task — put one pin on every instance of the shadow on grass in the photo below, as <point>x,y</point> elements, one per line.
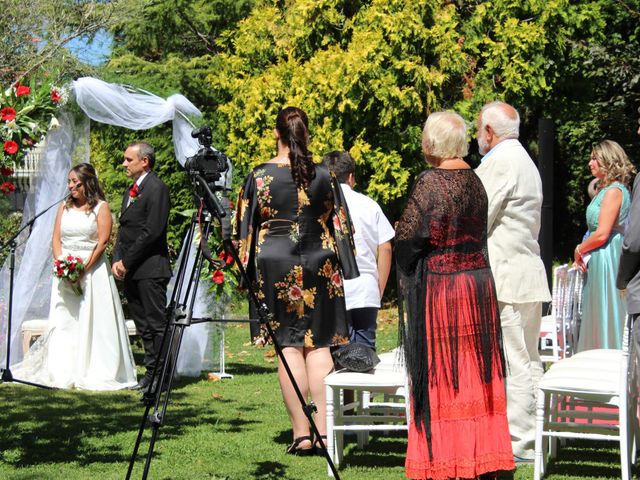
<point>237,368</point>
<point>44,426</point>
<point>382,451</point>
<point>588,459</point>
<point>270,471</point>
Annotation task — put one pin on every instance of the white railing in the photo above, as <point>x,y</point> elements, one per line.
<point>24,175</point>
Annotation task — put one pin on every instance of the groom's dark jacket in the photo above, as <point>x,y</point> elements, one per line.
<point>142,236</point>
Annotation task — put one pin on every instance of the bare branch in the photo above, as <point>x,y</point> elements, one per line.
<point>209,45</point>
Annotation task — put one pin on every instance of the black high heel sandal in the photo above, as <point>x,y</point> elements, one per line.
<point>301,452</point>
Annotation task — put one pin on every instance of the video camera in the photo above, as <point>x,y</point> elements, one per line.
<point>207,163</point>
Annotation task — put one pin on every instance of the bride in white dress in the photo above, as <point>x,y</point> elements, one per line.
<point>86,345</point>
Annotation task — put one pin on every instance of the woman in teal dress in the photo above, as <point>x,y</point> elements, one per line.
<point>603,307</point>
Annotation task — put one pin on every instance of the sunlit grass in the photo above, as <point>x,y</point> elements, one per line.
<point>229,429</point>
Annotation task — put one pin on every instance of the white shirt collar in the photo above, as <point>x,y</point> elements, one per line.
<point>503,143</point>
<point>141,177</point>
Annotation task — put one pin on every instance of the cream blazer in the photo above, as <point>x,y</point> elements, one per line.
<point>514,190</point>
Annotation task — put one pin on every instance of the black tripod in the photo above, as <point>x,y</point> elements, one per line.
<point>179,317</point>
<point>7,376</point>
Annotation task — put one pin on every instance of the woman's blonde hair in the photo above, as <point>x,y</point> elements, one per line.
<point>445,136</point>
<point>614,163</point>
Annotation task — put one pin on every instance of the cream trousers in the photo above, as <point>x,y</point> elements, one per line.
<point>520,330</point>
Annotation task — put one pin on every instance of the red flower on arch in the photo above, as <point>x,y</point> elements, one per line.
<point>10,147</point>
<point>7,188</point>
<point>22,91</point>
<point>8,114</point>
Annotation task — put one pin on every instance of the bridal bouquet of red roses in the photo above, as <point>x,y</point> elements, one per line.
<point>69,268</point>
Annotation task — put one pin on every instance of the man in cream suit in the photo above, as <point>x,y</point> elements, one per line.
<point>514,190</point>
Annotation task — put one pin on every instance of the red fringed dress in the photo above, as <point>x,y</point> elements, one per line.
<point>452,340</point>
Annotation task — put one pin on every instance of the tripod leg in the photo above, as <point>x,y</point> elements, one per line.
<point>134,454</point>
<point>152,442</point>
<point>161,385</point>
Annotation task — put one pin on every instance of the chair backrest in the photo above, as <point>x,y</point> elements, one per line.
<point>572,310</point>
<point>629,376</point>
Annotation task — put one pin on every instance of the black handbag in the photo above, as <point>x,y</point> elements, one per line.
<point>356,357</point>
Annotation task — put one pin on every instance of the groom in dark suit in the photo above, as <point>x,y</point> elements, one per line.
<point>141,256</point>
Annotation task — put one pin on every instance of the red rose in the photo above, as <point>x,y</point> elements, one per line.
<point>60,272</point>
<point>7,188</point>
<point>133,191</point>
<point>55,96</point>
<point>69,258</point>
<point>10,147</point>
<point>22,91</point>
<point>8,114</point>
<point>72,267</point>
<point>6,171</point>
<point>78,260</point>
<point>218,277</point>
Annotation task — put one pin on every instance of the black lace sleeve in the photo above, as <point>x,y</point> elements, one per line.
<point>412,231</point>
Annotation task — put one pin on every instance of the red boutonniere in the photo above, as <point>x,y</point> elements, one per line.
<point>133,193</point>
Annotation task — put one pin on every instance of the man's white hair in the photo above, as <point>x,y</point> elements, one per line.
<point>502,118</point>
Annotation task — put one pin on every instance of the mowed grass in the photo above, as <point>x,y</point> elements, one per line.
<point>230,429</point>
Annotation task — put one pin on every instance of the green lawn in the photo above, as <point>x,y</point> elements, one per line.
<point>230,429</point>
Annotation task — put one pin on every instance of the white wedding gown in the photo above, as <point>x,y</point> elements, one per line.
<point>86,345</point>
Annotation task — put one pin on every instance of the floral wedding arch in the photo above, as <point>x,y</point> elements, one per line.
<point>66,145</point>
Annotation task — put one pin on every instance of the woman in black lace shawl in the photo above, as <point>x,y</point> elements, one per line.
<point>452,338</point>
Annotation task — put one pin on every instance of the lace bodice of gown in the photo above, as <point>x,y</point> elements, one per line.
<point>78,229</point>
<point>593,210</point>
<point>444,223</point>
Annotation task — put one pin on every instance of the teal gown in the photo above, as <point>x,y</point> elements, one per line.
<point>603,308</point>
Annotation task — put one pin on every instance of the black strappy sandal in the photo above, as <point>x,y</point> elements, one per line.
<point>318,450</point>
<point>301,452</point>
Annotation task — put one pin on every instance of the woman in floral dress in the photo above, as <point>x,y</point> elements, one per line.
<point>294,239</point>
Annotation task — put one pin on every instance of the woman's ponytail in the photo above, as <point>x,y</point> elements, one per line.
<point>293,127</point>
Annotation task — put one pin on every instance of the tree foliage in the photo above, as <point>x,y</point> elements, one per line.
<point>369,72</point>
<point>36,32</point>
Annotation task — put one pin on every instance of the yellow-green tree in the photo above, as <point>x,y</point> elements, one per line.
<point>369,72</point>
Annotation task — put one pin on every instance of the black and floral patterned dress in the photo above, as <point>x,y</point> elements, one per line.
<point>295,244</point>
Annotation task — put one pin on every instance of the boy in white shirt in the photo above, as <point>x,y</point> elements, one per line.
<point>373,234</point>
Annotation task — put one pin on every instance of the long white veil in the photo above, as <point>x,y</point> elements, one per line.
<point>114,105</point>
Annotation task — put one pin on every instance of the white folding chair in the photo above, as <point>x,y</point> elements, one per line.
<point>550,326</point>
<point>364,415</point>
<point>559,329</point>
<point>590,395</point>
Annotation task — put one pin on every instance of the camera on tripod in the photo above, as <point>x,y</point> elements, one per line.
<point>207,163</point>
